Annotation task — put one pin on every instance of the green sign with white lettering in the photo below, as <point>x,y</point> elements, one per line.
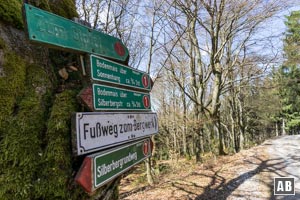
<point>59,32</point>
<point>112,98</point>
<point>112,72</point>
<point>114,162</point>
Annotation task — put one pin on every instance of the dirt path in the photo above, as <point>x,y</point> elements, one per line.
<point>246,175</point>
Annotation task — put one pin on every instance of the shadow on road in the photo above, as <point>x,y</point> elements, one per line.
<point>219,188</point>
<point>223,190</point>
<point>216,183</point>
<point>234,178</point>
<point>292,197</point>
<point>140,189</point>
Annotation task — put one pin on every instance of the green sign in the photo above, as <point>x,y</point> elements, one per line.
<point>112,72</point>
<point>112,98</point>
<point>51,29</point>
<point>108,165</point>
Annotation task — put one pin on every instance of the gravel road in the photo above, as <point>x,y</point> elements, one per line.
<point>247,175</point>
<point>287,148</point>
<point>282,159</point>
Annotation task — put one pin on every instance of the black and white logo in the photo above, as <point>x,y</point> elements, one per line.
<point>284,186</point>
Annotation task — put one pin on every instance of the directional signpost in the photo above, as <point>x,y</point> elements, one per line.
<point>102,167</point>
<point>113,98</point>
<point>94,131</point>
<point>59,32</point>
<point>114,87</point>
<point>112,72</point>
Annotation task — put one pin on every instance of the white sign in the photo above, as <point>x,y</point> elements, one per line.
<point>96,131</point>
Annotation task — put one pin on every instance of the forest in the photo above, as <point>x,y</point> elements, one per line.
<point>221,81</point>
<point>225,78</point>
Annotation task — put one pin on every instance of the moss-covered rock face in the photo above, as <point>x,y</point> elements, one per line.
<point>64,8</point>
<point>11,12</point>
<point>22,134</point>
<point>2,44</point>
<point>42,4</point>
<point>57,172</point>
<point>36,160</point>
<point>13,74</point>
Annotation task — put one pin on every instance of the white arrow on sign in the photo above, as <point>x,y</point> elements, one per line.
<point>99,130</point>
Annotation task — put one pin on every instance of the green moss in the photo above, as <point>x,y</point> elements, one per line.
<point>21,144</point>
<point>42,4</point>
<point>64,8</point>
<point>2,44</point>
<point>11,84</point>
<point>21,149</point>
<point>57,170</point>
<point>11,12</point>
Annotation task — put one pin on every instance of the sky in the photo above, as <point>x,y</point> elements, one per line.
<point>277,26</point>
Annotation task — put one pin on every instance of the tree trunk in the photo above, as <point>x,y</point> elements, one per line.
<point>184,132</point>
<point>276,127</point>
<point>221,139</point>
<point>283,127</point>
<point>149,171</point>
<point>198,149</point>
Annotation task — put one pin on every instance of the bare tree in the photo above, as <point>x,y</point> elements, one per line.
<point>120,19</point>
<point>218,38</point>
